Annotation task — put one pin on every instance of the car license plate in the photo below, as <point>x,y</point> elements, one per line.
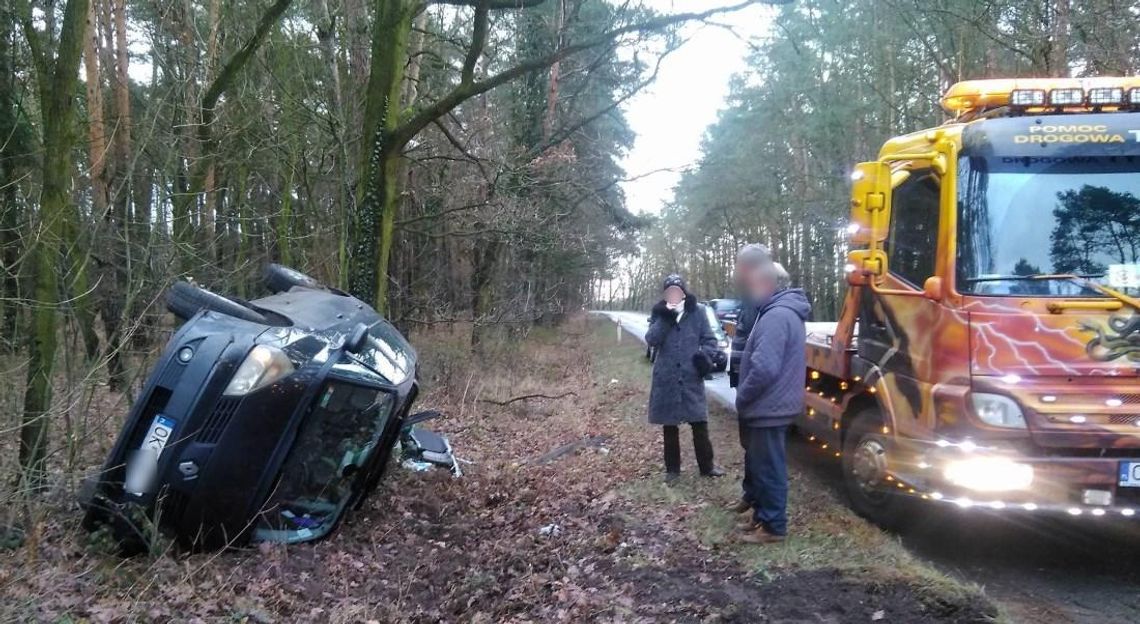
<point>159,434</point>
<point>1130,474</point>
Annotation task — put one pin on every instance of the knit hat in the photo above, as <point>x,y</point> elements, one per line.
<point>674,280</point>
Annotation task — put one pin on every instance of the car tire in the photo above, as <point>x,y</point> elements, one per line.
<point>279,278</point>
<point>865,459</point>
<point>185,300</point>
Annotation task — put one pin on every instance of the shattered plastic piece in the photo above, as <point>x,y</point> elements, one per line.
<point>417,466</point>
<point>552,530</point>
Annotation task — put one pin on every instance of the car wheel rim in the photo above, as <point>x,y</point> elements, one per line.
<point>869,467</point>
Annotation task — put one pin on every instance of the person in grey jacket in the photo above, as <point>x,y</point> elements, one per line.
<point>769,397</point>
<point>680,332</point>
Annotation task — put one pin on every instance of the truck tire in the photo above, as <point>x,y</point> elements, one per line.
<point>865,460</point>
<point>185,300</point>
<point>279,278</point>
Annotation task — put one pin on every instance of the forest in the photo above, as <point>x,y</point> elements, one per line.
<point>453,162</point>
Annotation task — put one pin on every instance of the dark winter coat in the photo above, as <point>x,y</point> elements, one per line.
<point>744,323</point>
<point>677,394</point>
<point>772,367</point>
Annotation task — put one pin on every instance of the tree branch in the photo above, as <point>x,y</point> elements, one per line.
<point>494,5</point>
<point>467,90</point>
<point>33,38</point>
<point>238,61</point>
<point>478,41</point>
<point>526,397</point>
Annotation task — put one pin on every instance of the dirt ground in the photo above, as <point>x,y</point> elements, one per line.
<point>561,516</point>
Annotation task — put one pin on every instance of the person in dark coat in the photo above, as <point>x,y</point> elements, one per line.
<point>769,398</point>
<point>680,332</point>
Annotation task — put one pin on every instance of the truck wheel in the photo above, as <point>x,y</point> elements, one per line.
<point>185,300</point>
<point>281,278</point>
<point>865,461</point>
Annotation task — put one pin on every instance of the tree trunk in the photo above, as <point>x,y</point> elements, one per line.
<point>1059,40</point>
<point>9,208</point>
<point>96,132</point>
<point>57,76</point>
<point>382,161</point>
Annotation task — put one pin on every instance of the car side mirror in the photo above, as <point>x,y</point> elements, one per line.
<point>420,417</point>
<point>356,339</point>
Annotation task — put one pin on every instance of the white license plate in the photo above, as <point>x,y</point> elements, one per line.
<point>1130,474</point>
<point>159,434</point>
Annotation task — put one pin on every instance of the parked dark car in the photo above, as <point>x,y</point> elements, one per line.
<point>722,341</point>
<point>725,309</point>
<point>264,420</point>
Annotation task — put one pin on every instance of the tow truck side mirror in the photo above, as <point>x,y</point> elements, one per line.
<point>870,203</point>
<point>932,288</point>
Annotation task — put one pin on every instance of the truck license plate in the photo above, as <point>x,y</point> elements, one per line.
<point>1130,474</point>
<point>161,429</point>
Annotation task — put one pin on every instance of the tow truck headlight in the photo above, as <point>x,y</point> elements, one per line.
<point>998,410</point>
<point>989,474</point>
<point>263,366</point>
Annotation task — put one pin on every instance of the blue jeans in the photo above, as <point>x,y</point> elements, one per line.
<point>766,477</point>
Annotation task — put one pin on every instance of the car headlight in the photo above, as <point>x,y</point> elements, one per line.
<point>997,410</point>
<point>263,366</point>
<point>989,474</point>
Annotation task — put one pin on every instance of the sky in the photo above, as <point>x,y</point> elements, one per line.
<point>671,115</point>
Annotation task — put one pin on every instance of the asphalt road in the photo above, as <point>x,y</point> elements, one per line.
<point>1040,569</point>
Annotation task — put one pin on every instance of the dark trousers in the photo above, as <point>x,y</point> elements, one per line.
<point>702,447</point>
<point>746,482</point>
<point>766,468</point>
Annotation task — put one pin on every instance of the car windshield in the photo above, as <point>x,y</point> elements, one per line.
<point>714,323</point>
<point>726,305</point>
<point>334,443</point>
<point>1028,224</point>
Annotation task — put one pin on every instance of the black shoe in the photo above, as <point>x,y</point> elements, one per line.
<point>715,471</point>
<point>671,477</point>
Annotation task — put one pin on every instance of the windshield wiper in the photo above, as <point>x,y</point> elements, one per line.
<point>1024,278</point>
<point>1084,281</point>
<point>1100,288</point>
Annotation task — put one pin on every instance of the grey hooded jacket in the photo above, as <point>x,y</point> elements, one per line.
<point>773,365</point>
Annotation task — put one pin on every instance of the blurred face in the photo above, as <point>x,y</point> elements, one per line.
<point>674,295</point>
<point>760,285</point>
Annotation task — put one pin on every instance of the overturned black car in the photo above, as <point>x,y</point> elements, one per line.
<point>264,420</point>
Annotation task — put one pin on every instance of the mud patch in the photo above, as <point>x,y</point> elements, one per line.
<point>823,596</point>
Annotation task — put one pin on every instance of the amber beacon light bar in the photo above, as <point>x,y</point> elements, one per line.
<point>1034,95</point>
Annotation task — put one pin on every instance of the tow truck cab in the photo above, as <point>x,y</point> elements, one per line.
<point>988,349</point>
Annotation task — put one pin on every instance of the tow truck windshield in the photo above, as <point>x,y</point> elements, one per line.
<point>1028,224</point>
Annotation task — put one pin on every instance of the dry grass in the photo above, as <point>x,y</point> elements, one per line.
<point>584,534</point>
<point>825,534</point>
